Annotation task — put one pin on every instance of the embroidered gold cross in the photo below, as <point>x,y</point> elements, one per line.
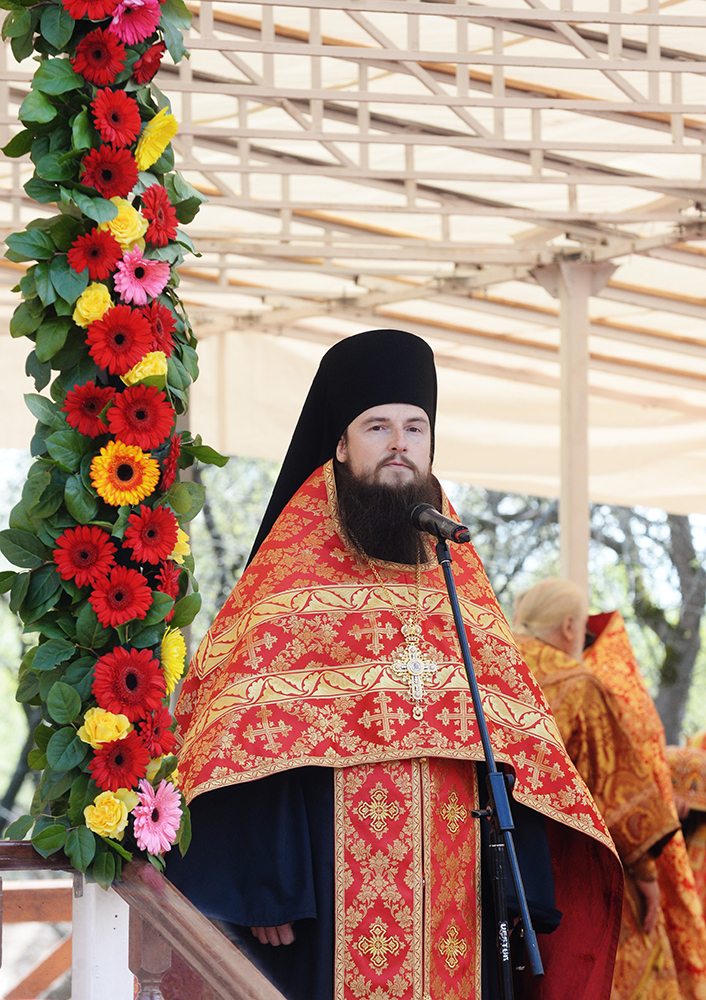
<point>453,948</point>
<point>375,632</point>
<point>385,717</point>
<point>465,715</point>
<point>453,813</point>
<point>413,668</point>
<point>252,644</point>
<point>269,732</point>
<point>379,945</point>
<point>378,811</point>
<point>537,765</point>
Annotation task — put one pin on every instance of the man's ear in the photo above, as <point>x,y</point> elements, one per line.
<point>568,628</point>
<point>342,449</point>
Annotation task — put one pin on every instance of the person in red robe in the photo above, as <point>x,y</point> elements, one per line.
<point>328,743</point>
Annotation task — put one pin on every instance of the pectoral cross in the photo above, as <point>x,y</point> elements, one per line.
<point>411,666</point>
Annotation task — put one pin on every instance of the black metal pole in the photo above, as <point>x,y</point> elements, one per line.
<point>500,812</point>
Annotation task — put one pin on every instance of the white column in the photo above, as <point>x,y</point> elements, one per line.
<point>99,962</point>
<point>573,283</point>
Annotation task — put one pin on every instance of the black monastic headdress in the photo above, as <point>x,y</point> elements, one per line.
<point>368,369</point>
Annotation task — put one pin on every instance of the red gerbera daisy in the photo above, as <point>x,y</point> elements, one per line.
<point>148,64</point>
<point>117,117</point>
<point>95,10</point>
<point>120,764</point>
<point>84,554</point>
<point>100,56</point>
<point>156,734</point>
<point>141,416</point>
<point>129,682</point>
<point>163,325</point>
<point>157,207</point>
<point>83,407</point>
<point>98,251</point>
<point>119,340</point>
<point>125,594</point>
<point>169,465</point>
<point>151,534</point>
<point>111,171</point>
<point>168,582</point>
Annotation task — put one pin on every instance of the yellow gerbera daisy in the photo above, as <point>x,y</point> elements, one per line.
<point>123,474</point>
<point>173,657</point>
<point>156,136</point>
<point>182,547</point>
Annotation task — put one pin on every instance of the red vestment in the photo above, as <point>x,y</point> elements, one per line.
<point>302,667</point>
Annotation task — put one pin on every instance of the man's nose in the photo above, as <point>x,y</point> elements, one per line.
<point>398,440</point>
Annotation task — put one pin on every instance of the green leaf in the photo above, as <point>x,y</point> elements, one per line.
<point>51,337</point>
<point>19,829</point>
<point>83,792</point>
<point>187,210</point>
<point>23,322</point>
<point>42,734</point>
<point>179,499</point>
<point>44,584</point>
<point>54,167</point>
<point>118,848</point>
<point>45,289</point>
<point>56,76</point>
<point>68,283</point>
<point>23,45</point>
<point>161,605</point>
<point>80,847</point>
<point>98,209</point>
<point>64,229</point>
<point>32,244</point>
<point>7,578</point>
<point>36,107</point>
<point>183,837</point>
<point>80,676</point>
<point>175,19</point>
<point>66,750</point>
<point>80,502</point>
<point>53,784</point>
<point>89,631</point>
<point>18,23</point>
<point>205,454</point>
<point>22,548</point>
<point>28,690</point>
<point>43,409</point>
<point>56,25</point>
<point>148,637</point>
<point>166,768</point>
<point>42,191</point>
<point>197,494</point>
<point>68,448</point>
<point>18,591</point>
<point>49,840</point>
<point>103,869</point>
<point>186,610</point>
<point>63,703</point>
<point>81,131</point>
<point>19,144</point>
<point>37,760</point>
<point>50,654</point>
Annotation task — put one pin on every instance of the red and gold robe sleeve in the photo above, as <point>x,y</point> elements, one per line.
<point>603,752</point>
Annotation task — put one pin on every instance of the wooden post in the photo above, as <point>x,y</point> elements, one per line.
<point>149,957</point>
<point>99,966</point>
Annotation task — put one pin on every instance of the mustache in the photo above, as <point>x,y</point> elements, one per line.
<point>397,460</point>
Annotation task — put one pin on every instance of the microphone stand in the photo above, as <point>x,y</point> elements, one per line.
<point>498,813</point>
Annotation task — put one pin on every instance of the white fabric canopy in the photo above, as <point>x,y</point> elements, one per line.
<point>413,164</point>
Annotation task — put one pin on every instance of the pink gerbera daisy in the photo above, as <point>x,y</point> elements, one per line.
<point>157,817</point>
<point>138,278</point>
<point>135,20</point>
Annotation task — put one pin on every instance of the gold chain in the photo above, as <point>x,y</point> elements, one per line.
<point>416,616</point>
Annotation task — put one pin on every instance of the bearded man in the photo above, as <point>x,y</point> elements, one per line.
<point>328,742</point>
<point>550,625</point>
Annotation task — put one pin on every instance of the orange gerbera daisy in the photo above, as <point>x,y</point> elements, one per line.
<point>123,474</point>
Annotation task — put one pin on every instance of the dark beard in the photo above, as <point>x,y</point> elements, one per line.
<point>373,515</point>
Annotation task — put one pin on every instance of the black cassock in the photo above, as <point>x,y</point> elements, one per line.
<point>262,855</point>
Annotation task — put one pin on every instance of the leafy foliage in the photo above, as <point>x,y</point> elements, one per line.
<point>67,512</point>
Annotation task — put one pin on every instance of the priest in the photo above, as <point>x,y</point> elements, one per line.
<point>328,743</point>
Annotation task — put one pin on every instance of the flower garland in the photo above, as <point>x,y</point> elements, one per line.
<point>108,575</point>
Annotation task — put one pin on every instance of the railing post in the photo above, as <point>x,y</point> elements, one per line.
<point>99,965</point>
<point>150,957</point>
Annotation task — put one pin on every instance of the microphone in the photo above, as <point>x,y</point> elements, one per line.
<point>424,517</point>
